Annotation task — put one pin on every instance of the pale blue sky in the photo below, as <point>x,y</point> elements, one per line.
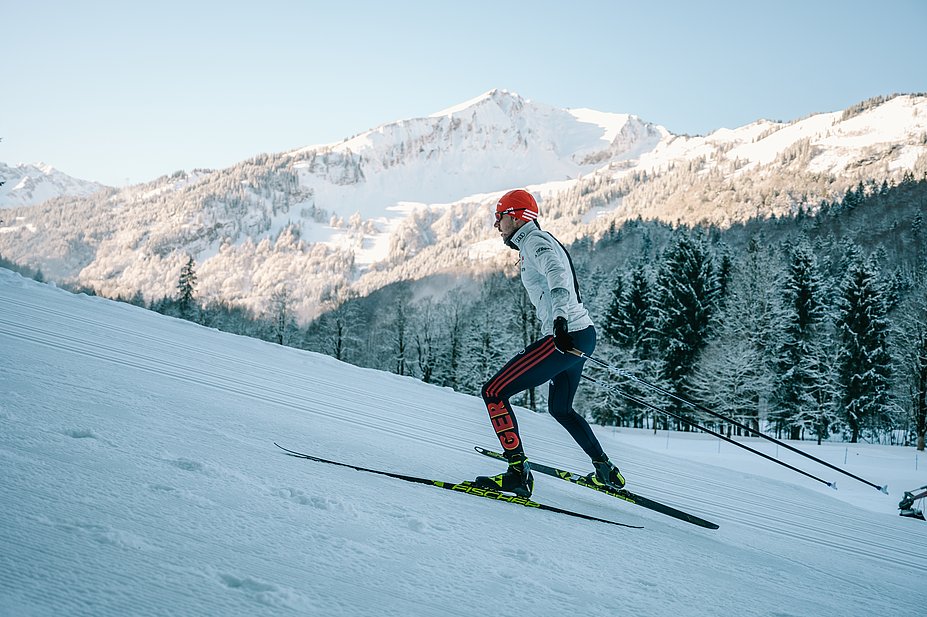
<point>119,91</point>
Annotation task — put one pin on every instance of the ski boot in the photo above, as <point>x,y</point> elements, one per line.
<point>606,474</point>
<point>517,479</point>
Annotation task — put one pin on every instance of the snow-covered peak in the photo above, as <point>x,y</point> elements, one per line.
<point>506,119</point>
<point>489,143</point>
<point>31,184</point>
<point>495,95</point>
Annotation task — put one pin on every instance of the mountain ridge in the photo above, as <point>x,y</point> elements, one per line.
<point>412,197</point>
<point>28,184</point>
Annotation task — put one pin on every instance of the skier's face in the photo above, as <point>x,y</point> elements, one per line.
<point>506,226</point>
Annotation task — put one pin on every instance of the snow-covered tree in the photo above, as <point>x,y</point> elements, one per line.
<point>281,317</point>
<point>864,364</point>
<point>490,337</point>
<point>427,339</point>
<point>919,387</point>
<point>735,372</point>
<point>687,294</point>
<point>804,397</point>
<point>611,318</point>
<point>910,345</point>
<point>398,343</point>
<point>186,288</point>
<point>636,316</point>
<point>630,344</point>
<point>453,312</point>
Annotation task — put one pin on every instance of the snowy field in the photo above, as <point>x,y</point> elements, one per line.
<point>140,478</point>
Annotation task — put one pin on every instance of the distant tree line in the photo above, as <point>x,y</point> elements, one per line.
<point>32,273</point>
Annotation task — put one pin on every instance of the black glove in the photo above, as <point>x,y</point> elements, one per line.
<point>562,339</point>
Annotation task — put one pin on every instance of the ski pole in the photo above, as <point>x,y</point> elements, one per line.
<point>704,409</point>
<point>634,399</point>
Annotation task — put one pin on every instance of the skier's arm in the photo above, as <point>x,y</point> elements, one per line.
<point>559,277</point>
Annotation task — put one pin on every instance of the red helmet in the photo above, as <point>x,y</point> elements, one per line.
<point>519,204</point>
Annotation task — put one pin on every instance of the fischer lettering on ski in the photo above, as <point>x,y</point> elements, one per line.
<point>622,494</point>
<point>460,487</point>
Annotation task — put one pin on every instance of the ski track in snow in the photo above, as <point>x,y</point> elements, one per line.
<point>140,478</point>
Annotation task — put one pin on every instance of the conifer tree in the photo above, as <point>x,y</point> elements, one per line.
<point>687,293</point>
<point>803,397</point>
<point>735,375</point>
<point>426,327</point>
<point>919,390</point>
<point>611,322</point>
<point>631,322</point>
<point>454,311</point>
<point>339,332</point>
<point>400,340</point>
<point>864,364</point>
<point>636,337</point>
<point>910,344</point>
<point>636,315</point>
<point>282,320</point>
<point>725,269</point>
<point>186,288</point>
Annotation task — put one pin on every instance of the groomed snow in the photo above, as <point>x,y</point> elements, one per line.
<point>140,478</point>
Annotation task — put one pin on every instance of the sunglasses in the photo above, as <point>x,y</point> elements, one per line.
<point>499,215</point>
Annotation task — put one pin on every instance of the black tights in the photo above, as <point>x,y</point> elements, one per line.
<point>540,362</point>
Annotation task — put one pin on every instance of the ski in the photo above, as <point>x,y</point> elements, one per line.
<point>624,494</point>
<point>460,487</point>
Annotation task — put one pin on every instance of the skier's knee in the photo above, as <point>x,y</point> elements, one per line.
<point>558,413</point>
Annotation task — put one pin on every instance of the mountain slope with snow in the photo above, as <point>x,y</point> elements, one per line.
<point>412,198</point>
<point>140,478</point>
<point>28,185</point>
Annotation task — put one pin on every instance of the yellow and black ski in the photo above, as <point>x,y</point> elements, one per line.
<point>460,487</point>
<point>623,494</point>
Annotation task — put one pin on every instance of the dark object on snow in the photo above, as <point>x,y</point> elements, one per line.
<point>906,505</point>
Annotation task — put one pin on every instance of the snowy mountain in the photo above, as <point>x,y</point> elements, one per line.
<point>27,185</point>
<point>140,478</point>
<point>413,197</point>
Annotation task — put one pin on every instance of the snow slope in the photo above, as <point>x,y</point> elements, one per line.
<point>139,478</point>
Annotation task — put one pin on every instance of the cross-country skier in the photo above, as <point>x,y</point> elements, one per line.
<point>550,280</point>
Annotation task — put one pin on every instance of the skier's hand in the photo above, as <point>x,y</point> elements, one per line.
<point>562,339</point>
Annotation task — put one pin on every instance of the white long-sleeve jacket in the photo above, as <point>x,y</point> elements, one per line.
<point>549,279</point>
